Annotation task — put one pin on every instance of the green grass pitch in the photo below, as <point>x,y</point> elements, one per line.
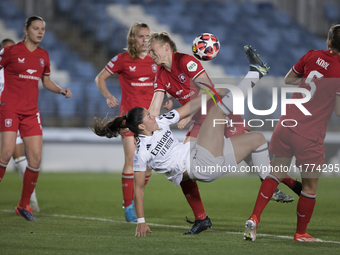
<point>81,213</point>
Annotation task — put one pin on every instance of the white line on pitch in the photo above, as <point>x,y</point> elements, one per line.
<point>155,224</point>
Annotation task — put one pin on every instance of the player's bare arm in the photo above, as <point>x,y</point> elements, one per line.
<point>156,103</point>
<point>100,82</point>
<point>337,106</point>
<point>169,102</point>
<point>51,86</point>
<point>293,78</point>
<point>139,182</point>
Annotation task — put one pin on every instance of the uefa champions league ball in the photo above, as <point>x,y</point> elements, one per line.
<point>205,47</point>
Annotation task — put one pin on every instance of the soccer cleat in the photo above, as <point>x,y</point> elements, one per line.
<point>25,212</point>
<point>199,226</point>
<point>305,238</point>
<point>281,197</point>
<point>130,215</point>
<point>34,205</point>
<point>255,62</point>
<point>250,231</point>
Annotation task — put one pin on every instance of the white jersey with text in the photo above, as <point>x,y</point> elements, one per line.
<point>162,151</point>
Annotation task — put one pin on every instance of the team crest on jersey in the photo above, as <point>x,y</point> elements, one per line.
<point>182,78</point>
<point>8,122</point>
<point>114,59</point>
<point>154,68</point>
<point>42,62</point>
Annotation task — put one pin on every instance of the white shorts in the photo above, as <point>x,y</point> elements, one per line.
<point>206,168</point>
<point>19,140</point>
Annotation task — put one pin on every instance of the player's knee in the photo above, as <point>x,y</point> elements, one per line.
<point>258,139</point>
<point>6,155</point>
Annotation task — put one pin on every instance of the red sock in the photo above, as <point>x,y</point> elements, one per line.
<point>147,177</point>
<point>305,208</point>
<point>2,170</point>
<point>29,183</point>
<point>192,194</point>
<point>266,191</point>
<point>289,181</point>
<point>127,184</point>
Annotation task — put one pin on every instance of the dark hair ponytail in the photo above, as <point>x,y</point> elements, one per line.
<point>111,127</point>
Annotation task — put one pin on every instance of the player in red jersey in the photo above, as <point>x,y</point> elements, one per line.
<point>183,77</point>
<point>318,72</point>
<point>25,64</point>
<point>136,72</point>
<point>19,157</point>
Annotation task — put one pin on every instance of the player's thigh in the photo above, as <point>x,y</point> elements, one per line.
<point>19,150</point>
<point>7,145</point>
<point>33,146</point>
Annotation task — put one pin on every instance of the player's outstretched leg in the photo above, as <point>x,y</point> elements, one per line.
<point>255,62</point>
<point>199,226</point>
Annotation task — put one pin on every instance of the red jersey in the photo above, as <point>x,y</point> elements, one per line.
<point>22,70</point>
<point>179,82</point>
<point>320,70</point>
<point>136,79</point>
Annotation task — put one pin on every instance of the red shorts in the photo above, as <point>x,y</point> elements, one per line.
<point>28,125</point>
<point>125,132</point>
<point>236,129</point>
<point>286,143</point>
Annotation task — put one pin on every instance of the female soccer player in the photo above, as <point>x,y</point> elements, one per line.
<point>136,72</point>
<point>318,72</point>
<point>183,77</point>
<point>19,157</point>
<point>158,148</point>
<point>25,64</point>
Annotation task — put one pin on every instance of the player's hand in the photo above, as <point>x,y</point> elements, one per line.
<point>112,101</point>
<point>141,229</point>
<point>168,104</point>
<point>66,92</point>
<point>221,92</point>
<point>183,122</point>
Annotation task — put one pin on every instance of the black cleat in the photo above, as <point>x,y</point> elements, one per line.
<point>255,62</point>
<point>199,226</point>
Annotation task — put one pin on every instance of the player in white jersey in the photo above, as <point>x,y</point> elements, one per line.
<point>19,157</point>
<point>158,148</point>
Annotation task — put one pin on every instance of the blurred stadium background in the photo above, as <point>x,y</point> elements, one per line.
<point>82,35</point>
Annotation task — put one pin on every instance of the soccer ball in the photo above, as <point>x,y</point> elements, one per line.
<point>205,46</point>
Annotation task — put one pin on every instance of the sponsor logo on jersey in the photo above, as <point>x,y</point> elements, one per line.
<point>154,68</point>
<point>163,144</point>
<point>114,59</point>
<point>8,122</point>
<point>192,66</point>
<point>21,60</point>
<point>182,78</point>
<point>186,96</point>
<point>31,71</point>
<point>132,68</point>
<point>179,92</point>
<point>42,62</point>
<point>110,64</point>
<point>2,51</point>
<point>167,85</point>
<point>142,79</point>
<point>29,77</point>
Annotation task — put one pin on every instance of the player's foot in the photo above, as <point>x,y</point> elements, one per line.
<point>25,212</point>
<point>255,62</point>
<point>34,205</point>
<point>130,215</point>
<point>199,226</point>
<point>251,226</point>
<point>281,197</point>
<point>305,238</point>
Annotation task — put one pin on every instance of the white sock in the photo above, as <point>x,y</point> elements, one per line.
<point>261,160</point>
<point>20,164</point>
<point>248,81</point>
